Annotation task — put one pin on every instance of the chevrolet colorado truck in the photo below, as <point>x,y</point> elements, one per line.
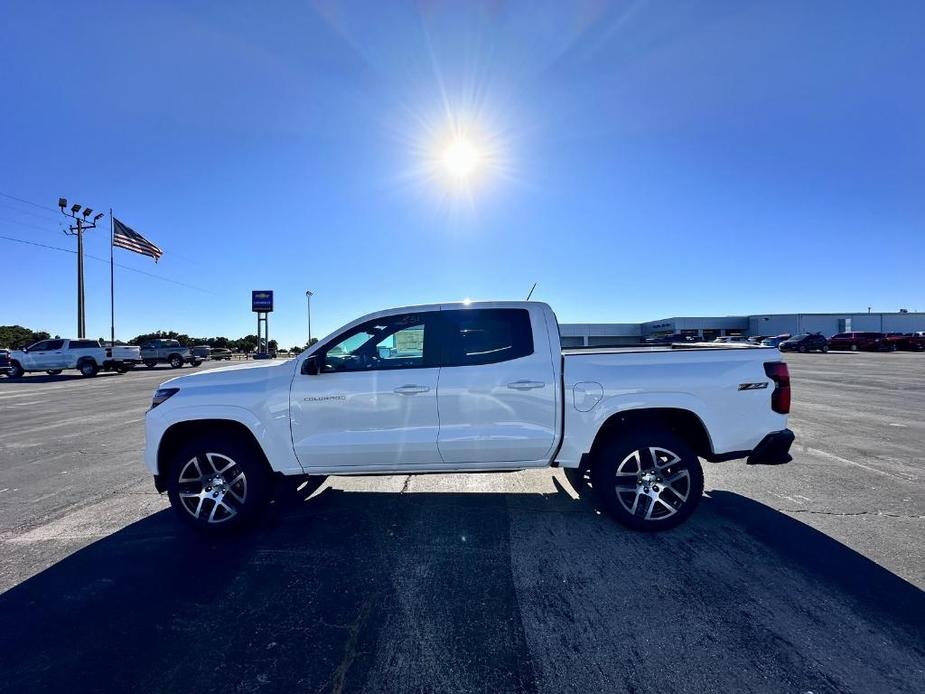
<point>87,356</point>
<point>467,387</point>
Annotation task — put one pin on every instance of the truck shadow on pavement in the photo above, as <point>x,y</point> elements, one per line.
<point>465,592</point>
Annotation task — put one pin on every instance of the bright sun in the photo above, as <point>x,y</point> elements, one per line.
<point>461,159</point>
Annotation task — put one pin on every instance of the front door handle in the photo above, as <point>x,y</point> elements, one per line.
<point>526,385</point>
<point>411,389</point>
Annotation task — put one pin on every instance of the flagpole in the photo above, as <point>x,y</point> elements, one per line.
<point>112,284</point>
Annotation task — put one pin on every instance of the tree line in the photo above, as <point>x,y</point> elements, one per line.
<point>16,336</point>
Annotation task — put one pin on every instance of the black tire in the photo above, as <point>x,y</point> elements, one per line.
<point>122,368</point>
<point>193,486</point>
<point>825,348</point>
<point>853,348</point>
<point>129,365</point>
<point>150,363</point>
<point>648,479</point>
<point>15,370</point>
<point>88,368</point>
<point>175,361</point>
<point>53,372</point>
<point>194,363</point>
<point>801,349</point>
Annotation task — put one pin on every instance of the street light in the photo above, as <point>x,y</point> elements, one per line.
<point>81,224</point>
<point>308,300</point>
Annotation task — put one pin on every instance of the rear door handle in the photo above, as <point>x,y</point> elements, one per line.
<point>525,385</point>
<point>411,389</point>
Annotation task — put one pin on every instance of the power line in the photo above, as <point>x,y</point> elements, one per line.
<point>31,226</point>
<point>19,210</point>
<point>104,260</point>
<point>29,202</point>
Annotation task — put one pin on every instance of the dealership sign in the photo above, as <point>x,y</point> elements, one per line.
<point>262,301</point>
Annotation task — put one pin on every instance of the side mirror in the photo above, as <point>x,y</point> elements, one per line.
<point>310,366</point>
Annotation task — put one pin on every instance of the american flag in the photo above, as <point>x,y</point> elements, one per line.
<point>131,240</point>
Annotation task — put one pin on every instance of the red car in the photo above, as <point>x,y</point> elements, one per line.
<point>868,341</point>
<point>911,342</point>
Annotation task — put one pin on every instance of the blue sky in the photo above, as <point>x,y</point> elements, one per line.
<point>642,159</point>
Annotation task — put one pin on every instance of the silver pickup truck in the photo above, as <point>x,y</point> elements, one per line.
<point>167,352</point>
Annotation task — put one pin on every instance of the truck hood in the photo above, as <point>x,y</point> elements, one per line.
<point>237,374</point>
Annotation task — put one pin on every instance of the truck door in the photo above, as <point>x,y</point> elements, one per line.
<point>35,358</point>
<point>55,358</point>
<point>374,401</point>
<point>496,395</point>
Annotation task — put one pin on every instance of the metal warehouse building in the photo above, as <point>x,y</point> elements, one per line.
<point>710,327</point>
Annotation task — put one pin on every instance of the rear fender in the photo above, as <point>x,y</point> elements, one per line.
<point>581,428</point>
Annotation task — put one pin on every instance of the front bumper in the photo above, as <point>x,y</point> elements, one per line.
<point>774,449</point>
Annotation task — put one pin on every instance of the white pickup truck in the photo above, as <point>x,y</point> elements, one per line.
<point>468,388</point>
<point>87,356</point>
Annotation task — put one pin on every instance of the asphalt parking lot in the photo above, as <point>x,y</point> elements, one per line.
<point>798,578</point>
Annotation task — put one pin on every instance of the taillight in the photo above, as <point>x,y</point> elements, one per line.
<point>778,372</point>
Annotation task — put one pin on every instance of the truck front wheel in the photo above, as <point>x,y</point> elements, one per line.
<point>648,479</point>
<point>175,361</point>
<point>217,484</point>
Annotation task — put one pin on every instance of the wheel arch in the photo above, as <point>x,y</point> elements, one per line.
<point>684,423</point>
<point>177,434</point>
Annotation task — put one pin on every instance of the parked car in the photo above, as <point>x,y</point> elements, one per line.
<point>202,352</point>
<point>854,341</point>
<point>264,355</point>
<point>731,340</point>
<point>669,339</point>
<point>167,352</point>
<point>910,342</point>
<point>774,341</point>
<point>54,356</point>
<point>471,388</point>
<point>219,353</point>
<point>805,342</point>
<point>4,360</point>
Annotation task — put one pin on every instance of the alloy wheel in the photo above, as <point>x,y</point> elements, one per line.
<point>212,488</point>
<point>652,483</point>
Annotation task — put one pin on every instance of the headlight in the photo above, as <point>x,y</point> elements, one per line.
<point>162,394</point>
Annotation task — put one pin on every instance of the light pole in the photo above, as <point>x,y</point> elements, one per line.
<point>308,301</point>
<point>82,224</point>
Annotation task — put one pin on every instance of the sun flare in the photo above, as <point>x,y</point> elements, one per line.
<point>461,159</point>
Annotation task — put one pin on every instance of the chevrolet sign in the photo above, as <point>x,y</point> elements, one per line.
<point>262,301</point>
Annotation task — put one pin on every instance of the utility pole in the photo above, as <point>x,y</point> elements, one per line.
<point>82,224</point>
<point>308,300</point>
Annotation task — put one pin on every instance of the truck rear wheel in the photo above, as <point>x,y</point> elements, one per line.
<point>88,368</point>
<point>217,483</point>
<point>150,363</point>
<point>175,361</point>
<point>15,370</point>
<point>647,480</point>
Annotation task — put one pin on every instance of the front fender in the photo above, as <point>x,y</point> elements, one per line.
<point>273,438</point>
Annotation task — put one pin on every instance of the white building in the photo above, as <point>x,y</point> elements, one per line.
<point>764,324</point>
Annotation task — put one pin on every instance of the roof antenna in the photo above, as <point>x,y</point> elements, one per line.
<point>531,292</point>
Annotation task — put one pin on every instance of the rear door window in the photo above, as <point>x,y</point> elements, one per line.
<point>485,336</point>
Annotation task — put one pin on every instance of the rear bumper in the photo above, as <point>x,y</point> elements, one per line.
<point>774,449</point>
